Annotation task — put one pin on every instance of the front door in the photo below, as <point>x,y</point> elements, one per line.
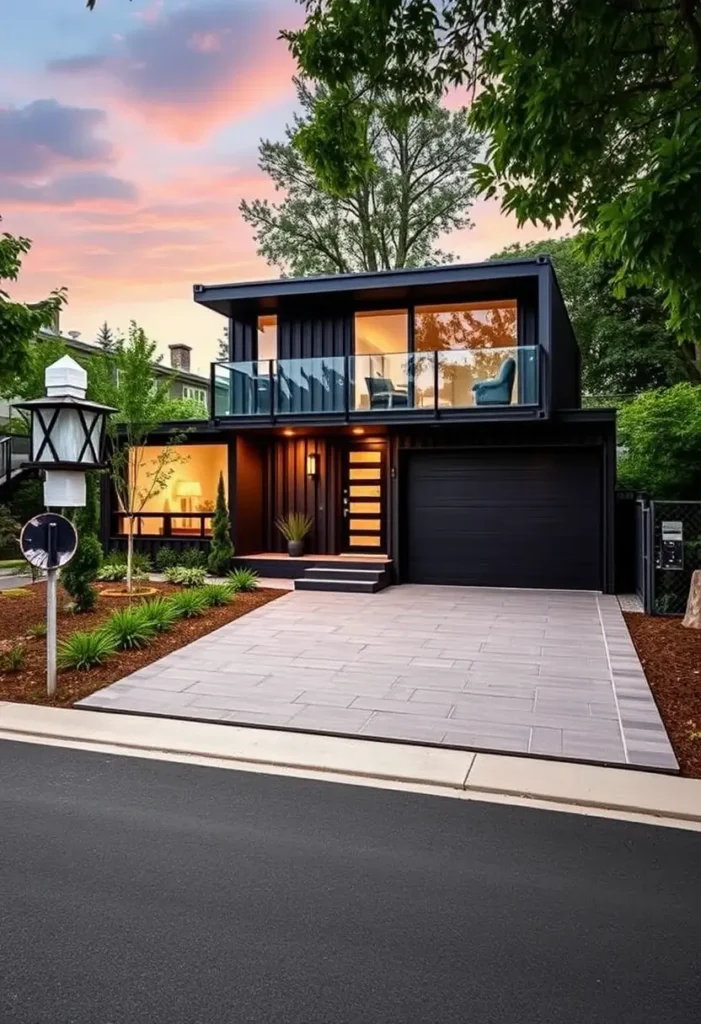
<point>364,500</point>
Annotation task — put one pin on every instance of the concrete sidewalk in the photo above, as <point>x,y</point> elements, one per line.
<point>574,787</point>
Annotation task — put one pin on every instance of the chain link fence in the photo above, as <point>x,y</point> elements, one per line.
<point>668,543</point>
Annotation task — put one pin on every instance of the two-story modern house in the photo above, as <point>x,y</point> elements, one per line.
<point>428,419</point>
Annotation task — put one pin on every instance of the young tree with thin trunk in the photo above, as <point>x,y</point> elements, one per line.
<point>417,189</point>
<point>125,380</point>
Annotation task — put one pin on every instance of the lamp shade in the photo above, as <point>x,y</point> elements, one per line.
<point>188,489</point>
<point>67,432</point>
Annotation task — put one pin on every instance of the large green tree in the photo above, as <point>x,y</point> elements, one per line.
<point>19,322</point>
<point>593,109</point>
<point>417,188</point>
<point>625,343</point>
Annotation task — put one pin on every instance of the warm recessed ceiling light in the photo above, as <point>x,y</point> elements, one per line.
<point>288,433</point>
<point>358,430</point>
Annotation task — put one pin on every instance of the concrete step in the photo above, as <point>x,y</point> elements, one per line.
<point>339,584</point>
<point>336,572</point>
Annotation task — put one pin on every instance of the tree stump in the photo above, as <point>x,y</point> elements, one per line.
<point>692,619</point>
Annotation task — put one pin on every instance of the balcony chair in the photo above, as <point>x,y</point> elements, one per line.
<point>497,391</point>
<point>384,395</point>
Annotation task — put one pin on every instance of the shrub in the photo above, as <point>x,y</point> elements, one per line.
<point>83,650</point>
<point>9,530</point>
<point>161,613</point>
<point>190,604</point>
<point>12,660</point>
<point>141,563</point>
<point>130,627</point>
<point>166,558</point>
<point>218,594</point>
<point>37,631</point>
<point>192,558</point>
<point>222,550</point>
<point>80,573</point>
<point>185,577</point>
<point>243,580</point>
<point>111,572</point>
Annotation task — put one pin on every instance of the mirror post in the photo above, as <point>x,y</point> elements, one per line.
<point>51,587</point>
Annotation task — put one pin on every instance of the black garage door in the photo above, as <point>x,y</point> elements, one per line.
<point>504,518</point>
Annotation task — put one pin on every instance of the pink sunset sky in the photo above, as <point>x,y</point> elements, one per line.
<point>128,137</point>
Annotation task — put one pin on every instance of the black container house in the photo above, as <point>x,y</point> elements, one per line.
<point>429,420</point>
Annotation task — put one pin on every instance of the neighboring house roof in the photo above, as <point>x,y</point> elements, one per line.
<point>159,368</point>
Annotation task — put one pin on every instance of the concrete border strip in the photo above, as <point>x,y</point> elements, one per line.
<point>564,785</point>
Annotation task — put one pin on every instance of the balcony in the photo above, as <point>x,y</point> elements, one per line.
<point>407,384</point>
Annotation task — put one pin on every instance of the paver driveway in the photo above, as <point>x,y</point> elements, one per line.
<point>541,672</point>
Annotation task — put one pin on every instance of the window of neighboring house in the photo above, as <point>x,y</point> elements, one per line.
<point>381,360</point>
<point>198,394</point>
<point>470,338</point>
<point>267,338</point>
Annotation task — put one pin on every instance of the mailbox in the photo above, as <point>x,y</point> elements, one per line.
<point>672,547</point>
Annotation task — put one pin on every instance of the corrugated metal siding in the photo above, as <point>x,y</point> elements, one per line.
<point>291,490</point>
<point>242,340</point>
<point>323,335</point>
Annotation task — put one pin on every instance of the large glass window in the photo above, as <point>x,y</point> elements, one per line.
<point>185,505</point>
<point>471,337</point>
<point>267,337</point>
<point>461,325</point>
<point>381,361</point>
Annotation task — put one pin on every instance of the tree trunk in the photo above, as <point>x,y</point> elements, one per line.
<point>130,551</point>
<point>692,619</point>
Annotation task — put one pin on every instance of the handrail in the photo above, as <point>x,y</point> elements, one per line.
<point>431,381</point>
<point>5,457</point>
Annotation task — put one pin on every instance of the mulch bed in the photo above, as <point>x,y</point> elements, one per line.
<point>671,657</point>
<point>19,614</point>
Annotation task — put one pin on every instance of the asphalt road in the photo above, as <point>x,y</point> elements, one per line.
<point>145,892</point>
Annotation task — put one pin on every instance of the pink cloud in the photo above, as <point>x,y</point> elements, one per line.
<point>186,71</point>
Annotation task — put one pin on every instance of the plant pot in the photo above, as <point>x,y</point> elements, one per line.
<point>295,548</point>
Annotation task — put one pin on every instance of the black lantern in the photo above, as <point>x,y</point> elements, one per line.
<point>67,433</point>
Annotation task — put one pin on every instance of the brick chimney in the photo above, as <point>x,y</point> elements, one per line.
<point>180,357</point>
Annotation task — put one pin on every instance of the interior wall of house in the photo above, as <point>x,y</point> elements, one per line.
<point>191,487</point>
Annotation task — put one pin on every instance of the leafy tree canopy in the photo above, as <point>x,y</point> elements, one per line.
<point>660,434</point>
<point>20,323</point>
<point>593,110</point>
<point>625,343</point>
<point>416,187</point>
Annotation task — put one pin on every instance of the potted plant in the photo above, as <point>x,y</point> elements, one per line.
<point>294,527</point>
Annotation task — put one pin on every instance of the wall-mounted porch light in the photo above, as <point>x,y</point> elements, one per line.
<point>312,465</point>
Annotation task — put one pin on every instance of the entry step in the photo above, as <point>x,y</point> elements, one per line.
<point>348,579</point>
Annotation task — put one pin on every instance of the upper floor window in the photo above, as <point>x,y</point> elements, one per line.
<point>461,325</point>
<point>267,337</point>
<point>381,332</point>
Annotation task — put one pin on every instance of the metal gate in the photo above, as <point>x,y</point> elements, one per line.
<point>668,549</point>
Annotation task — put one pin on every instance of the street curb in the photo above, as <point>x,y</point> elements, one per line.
<point>663,798</point>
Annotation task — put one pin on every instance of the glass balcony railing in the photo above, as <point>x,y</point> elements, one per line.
<point>392,383</point>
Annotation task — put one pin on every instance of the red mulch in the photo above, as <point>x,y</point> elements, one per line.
<point>671,657</point>
<point>19,614</point>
